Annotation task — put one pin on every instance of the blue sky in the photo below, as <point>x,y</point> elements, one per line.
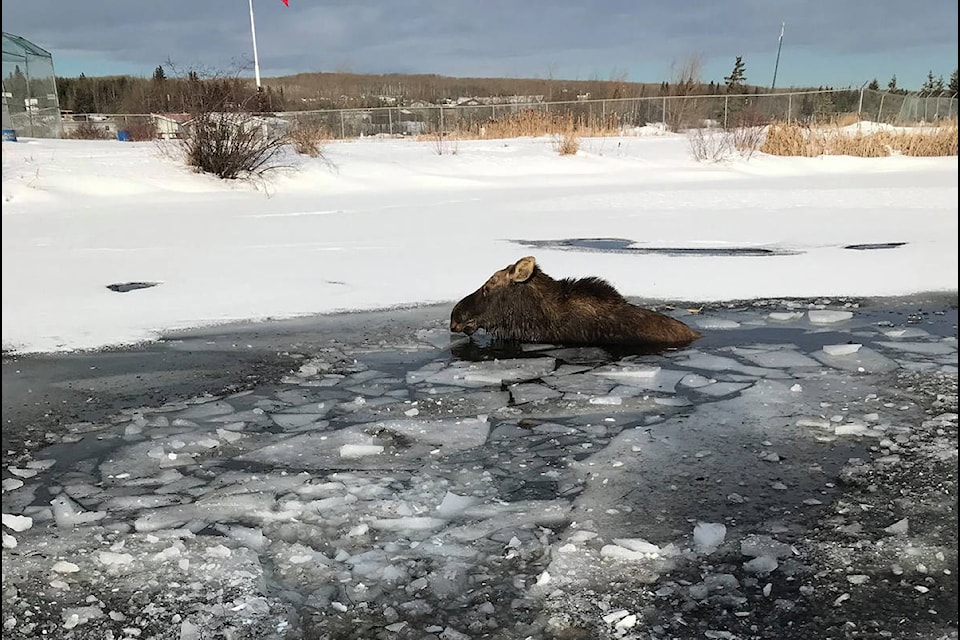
<point>840,43</point>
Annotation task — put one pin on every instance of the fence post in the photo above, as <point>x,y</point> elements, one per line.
<point>664,108</point>
<point>441,122</point>
<point>343,133</point>
<point>390,119</point>
<point>725,101</point>
<point>860,106</point>
<point>790,108</point>
<point>880,108</point>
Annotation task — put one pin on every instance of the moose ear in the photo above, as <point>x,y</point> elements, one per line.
<point>523,269</point>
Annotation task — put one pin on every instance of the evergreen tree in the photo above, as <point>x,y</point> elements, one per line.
<point>159,75</point>
<point>892,85</point>
<point>874,85</point>
<point>952,85</point>
<point>928,84</point>
<point>736,78</point>
<point>938,85</point>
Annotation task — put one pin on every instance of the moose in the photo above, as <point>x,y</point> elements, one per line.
<point>522,303</point>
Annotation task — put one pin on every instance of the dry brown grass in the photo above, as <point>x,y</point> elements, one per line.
<point>308,139</point>
<point>791,139</point>
<point>532,123</point>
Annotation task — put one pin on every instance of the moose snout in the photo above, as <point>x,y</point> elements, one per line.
<point>462,327</point>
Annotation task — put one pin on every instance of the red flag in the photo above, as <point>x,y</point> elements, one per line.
<point>286,3</point>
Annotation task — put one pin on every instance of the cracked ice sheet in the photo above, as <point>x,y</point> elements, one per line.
<point>481,374</point>
<point>709,362</point>
<point>941,348</point>
<point>407,444</point>
<point>865,360</point>
<point>776,356</point>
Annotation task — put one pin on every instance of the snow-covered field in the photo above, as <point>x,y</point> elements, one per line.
<point>792,474</point>
<point>390,222</point>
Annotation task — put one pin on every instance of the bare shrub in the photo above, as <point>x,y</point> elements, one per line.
<point>567,143</point>
<point>308,138</point>
<point>707,145</point>
<point>445,143</point>
<point>232,145</point>
<point>89,131</point>
<point>228,138</point>
<point>141,130</point>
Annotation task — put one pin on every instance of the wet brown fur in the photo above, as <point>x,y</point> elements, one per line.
<point>521,302</point>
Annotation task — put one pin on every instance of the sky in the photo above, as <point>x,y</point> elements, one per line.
<point>838,44</point>
<point>378,223</point>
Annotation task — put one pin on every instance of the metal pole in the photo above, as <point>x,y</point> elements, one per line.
<point>256,60</point>
<point>777,64</point>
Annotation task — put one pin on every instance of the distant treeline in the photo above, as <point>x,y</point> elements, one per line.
<point>310,91</point>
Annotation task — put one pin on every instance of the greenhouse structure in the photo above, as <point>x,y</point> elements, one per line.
<point>30,104</point>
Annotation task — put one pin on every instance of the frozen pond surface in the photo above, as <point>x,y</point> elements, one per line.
<point>793,475</point>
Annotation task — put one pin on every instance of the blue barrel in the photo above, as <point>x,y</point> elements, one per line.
<point>9,135</point>
<point>123,136</point>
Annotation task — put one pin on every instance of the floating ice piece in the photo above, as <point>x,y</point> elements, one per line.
<point>17,523</point>
<point>694,380</point>
<point>841,349</point>
<point>907,332</point>
<point>639,545</point>
<point>453,505</point>
<point>755,546</point>
<point>481,374</point>
<point>785,316</point>
<point>708,536</point>
<point>865,360</point>
<point>111,558</point>
<point>351,451</point>
<point>716,324</point>
<point>785,358</point>
<point>64,566</point>
<point>69,514</point>
<point>851,429</point>
<point>617,552</point>
<point>409,523</point>
<point>525,392</point>
<point>828,316</point>
<point>627,372</point>
<point>899,527</point>
<point>9,542</point>
<point>761,565</point>
<point>606,400</point>
<point>926,348</point>
<point>75,616</point>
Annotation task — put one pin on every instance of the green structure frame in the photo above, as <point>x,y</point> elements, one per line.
<point>30,103</point>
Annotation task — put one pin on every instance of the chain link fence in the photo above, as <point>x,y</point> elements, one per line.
<point>674,113</point>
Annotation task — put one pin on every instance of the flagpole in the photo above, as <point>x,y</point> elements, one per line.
<point>256,61</point>
<point>775,66</point>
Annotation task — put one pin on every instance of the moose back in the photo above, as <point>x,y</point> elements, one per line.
<point>521,302</point>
